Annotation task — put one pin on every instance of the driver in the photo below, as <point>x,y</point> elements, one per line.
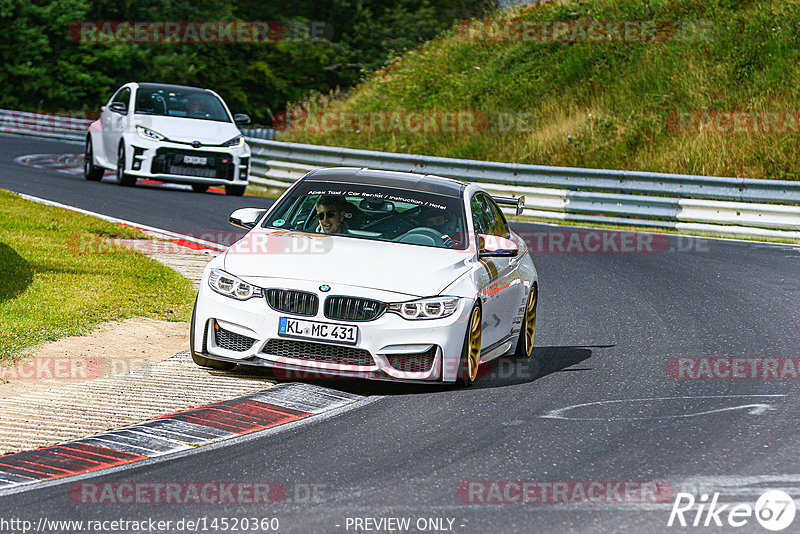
<point>442,222</point>
<point>196,107</point>
<point>331,212</point>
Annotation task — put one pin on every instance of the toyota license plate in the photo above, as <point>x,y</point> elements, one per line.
<point>195,160</point>
<point>297,328</point>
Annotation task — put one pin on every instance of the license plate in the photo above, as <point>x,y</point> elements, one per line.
<point>195,160</point>
<point>314,330</point>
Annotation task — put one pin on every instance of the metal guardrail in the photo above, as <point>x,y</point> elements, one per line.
<point>708,187</point>
<point>49,126</point>
<point>259,133</point>
<point>74,129</point>
<point>733,207</point>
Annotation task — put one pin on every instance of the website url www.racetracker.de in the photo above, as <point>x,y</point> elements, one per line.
<point>199,524</point>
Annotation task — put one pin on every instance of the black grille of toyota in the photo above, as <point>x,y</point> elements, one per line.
<point>419,362</point>
<point>231,340</point>
<point>318,352</point>
<point>176,161</point>
<point>294,302</point>
<point>353,309</point>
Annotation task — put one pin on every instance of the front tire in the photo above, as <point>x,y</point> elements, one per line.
<point>235,190</point>
<point>198,358</point>
<point>90,171</point>
<point>123,178</point>
<point>525,342</point>
<point>471,353</point>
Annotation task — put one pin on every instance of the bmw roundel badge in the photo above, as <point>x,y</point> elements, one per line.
<point>324,288</point>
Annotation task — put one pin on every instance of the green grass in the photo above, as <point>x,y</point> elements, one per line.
<point>264,191</point>
<point>600,104</point>
<point>59,277</point>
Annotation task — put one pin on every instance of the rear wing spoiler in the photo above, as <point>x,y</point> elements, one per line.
<point>518,203</point>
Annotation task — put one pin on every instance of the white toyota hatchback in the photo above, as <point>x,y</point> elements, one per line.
<point>168,133</point>
<point>370,274</point>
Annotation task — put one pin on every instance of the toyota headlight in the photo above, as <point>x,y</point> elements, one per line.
<point>428,308</point>
<point>230,286</point>
<point>236,142</point>
<point>150,135</point>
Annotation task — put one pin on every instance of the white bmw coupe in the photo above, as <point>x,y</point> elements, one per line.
<point>168,133</point>
<point>370,274</point>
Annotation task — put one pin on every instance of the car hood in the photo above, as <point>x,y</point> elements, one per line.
<point>188,130</point>
<point>402,268</point>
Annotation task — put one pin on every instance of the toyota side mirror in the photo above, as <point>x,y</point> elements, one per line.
<point>119,107</point>
<point>241,118</point>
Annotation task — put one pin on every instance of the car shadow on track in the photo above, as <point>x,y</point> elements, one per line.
<point>544,361</point>
<point>497,373</point>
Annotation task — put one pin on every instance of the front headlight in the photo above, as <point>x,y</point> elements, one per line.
<point>150,135</point>
<point>230,286</point>
<point>428,308</point>
<point>236,142</point>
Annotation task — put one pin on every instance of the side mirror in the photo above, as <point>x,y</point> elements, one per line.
<point>119,107</point>
<point>241,118</point>
<point>492,246</point>
<point>246,217</point>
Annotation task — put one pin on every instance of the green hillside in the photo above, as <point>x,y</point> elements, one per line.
<point>705,87</point>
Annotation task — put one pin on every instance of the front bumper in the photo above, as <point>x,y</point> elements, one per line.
<point>167,162</point>
<point>387,348</point>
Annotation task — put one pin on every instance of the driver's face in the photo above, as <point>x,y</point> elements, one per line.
<point>195,106</point>
<point>440,222</point>
<point>435,221</point>
<point>330,219</point>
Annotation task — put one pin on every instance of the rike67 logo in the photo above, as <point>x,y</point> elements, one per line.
<point>774,510</point>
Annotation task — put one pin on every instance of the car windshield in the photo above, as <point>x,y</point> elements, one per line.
<point>372,212</point>
<point>173,102</point>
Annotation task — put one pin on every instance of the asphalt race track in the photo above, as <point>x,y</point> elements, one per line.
<point>177,210</point>
<point>610,400</point>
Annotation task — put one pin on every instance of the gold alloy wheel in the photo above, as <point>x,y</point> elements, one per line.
<point>530,321</point>
<point>474,344</point>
